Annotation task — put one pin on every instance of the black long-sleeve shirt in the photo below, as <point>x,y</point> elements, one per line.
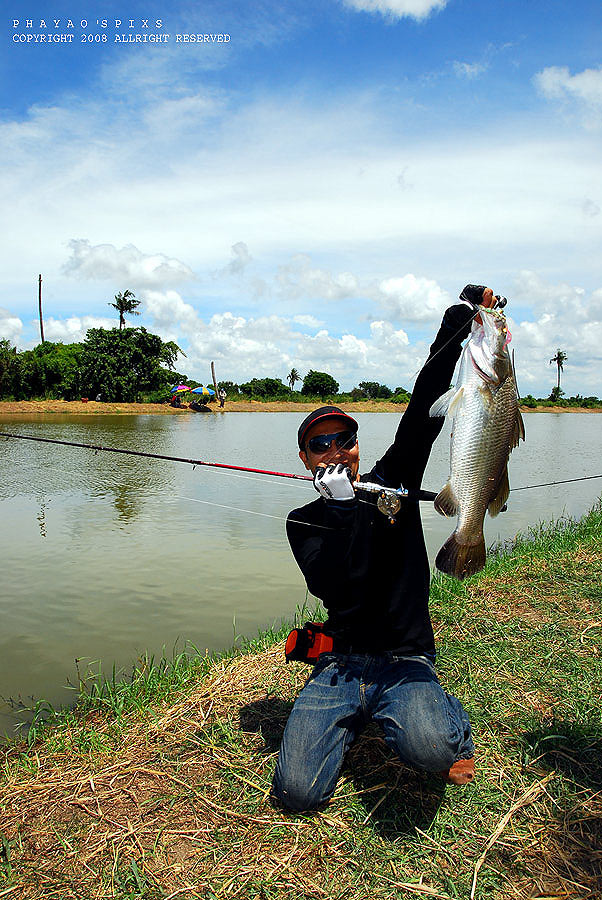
<point>373,576</point>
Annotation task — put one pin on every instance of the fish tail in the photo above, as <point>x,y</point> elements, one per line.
<point>461,560</point>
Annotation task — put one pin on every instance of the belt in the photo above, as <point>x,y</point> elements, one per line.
<point>344,648</point>
<point>347,649</point>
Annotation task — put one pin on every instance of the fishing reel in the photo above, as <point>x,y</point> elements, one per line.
<point>389,500</point>
<point>389,504</point>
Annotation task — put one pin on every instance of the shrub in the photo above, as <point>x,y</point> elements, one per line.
<point>319,384</point>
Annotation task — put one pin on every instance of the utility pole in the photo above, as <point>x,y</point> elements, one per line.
<point>40,306</point>
<point>214,381</point>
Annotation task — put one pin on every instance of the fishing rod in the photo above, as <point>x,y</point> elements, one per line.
<point>388,502</point>
<point>389,499</point>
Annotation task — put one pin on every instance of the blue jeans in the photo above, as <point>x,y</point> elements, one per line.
<point>425,726</point>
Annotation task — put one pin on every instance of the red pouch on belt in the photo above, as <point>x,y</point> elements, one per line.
<point>307,643</point>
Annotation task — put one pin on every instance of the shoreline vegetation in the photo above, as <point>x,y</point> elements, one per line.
<point>92,407</point>
<point>157,784</point>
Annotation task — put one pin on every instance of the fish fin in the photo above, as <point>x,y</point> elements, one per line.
<point>519,430</point>
<point>487,398</point>
<point>461,560</point>
<point>515,381</point>
<point>446,502</point>
<point>455,401</point>
<point>501,494</point>
<point>441,406</point>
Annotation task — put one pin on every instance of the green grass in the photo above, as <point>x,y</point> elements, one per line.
<point>157,784</point>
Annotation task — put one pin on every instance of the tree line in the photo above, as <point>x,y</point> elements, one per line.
<point>122,365</point>
<point>127,365</point>
<point>314,384</point>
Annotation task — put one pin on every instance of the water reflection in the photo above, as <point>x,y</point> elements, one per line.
<point>42,518</point>
<point>107,556</point>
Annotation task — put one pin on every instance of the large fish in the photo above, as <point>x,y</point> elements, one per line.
<point>486,426</point>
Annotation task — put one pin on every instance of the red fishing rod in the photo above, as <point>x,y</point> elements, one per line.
<point>192,462</point>
<point>389,499</point>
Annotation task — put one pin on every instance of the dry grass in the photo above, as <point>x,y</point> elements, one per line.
<point>174,801</point>
<point>76,407</point>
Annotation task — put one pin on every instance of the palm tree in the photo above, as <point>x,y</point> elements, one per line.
<point>292,377</point>
<point>125,303</point>
<point>559,359</point>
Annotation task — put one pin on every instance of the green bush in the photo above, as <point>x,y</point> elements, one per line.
<point>529,402</point>
<point>319,384</point>
<point>265,388</point>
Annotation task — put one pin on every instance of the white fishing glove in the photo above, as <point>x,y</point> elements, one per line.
<point>334,482</point>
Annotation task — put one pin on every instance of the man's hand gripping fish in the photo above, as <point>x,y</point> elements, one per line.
<point>486,426</point>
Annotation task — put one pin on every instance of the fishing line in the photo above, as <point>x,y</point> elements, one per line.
<point>499,304</point>
<point>528,487</point>
<point>247,477</point>
<point>448,341</point>
<point>254,512</point>
<point>421,495</point>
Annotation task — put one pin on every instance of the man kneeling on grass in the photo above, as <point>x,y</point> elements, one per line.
<point>373,578</point>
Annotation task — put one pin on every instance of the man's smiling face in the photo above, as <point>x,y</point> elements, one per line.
<point>348,456</point>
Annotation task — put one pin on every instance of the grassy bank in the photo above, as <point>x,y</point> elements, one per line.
<point>157,787</point>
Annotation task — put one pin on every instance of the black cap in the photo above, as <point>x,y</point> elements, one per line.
<point>323,412</point>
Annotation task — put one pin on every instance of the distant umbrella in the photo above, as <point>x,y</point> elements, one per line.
<point>204,391</point>
<point>179,388</point>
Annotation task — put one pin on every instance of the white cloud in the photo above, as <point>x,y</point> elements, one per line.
<point>175,116</point>
<point>566,317</point>
<point>127,266</point>
<point>73,330</point>
<point>388,338</point>
<point>409,297</point>
<point>557,81</point>
<point>533,290</point>
<point>314,175</point>
<point>398,9</point>
<point>584,89</point>
<point>299,279</point>
<point>269,345</point>
<point>595,306</point>
<point>412,298</point>
<point>469,70</point>
<point>172,317</point>
<point>296,186</point>
<point>241,260</point>
<point>590,209</point>
<point>308,321</point>
<point>10,326</point>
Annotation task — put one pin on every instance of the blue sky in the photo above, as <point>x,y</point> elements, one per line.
<point>314,189</point>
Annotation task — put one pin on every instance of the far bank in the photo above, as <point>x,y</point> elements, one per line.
<point>92,407</point>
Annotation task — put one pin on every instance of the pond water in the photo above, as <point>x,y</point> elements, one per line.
<point>107,556</point>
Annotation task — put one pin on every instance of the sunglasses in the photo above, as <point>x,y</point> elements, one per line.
<point>321,443</point>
